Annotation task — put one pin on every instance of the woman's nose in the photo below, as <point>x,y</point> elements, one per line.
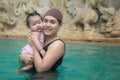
<point>47,24</point>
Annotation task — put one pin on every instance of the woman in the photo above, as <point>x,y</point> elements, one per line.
<point>53,45</point>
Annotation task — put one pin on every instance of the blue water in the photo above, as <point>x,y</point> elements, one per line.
<point>81,62</point>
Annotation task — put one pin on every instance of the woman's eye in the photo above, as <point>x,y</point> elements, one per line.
<point>53,22</point>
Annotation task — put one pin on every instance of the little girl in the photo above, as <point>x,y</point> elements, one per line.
<point>34,22</point>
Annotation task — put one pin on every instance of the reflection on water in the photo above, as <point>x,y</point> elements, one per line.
<point>81,62</point>
<point>43,76</point>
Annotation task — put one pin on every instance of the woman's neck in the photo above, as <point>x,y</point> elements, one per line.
<point>48,39</point>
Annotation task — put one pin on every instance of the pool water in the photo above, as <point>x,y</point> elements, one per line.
<point>81,62</point>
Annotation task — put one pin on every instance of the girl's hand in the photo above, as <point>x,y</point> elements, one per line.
<point>43,52</point>
<point>35,35</point>
<point>27,58</point>
<point>30,41</point>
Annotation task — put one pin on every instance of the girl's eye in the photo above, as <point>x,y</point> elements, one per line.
<point>34,24</point>
<point>37,23</point>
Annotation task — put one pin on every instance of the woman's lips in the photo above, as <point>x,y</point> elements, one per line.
<point>47,30</point>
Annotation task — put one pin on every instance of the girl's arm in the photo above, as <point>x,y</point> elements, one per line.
<point>35,36</point>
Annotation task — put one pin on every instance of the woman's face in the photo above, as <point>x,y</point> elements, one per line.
<point>51,25</point>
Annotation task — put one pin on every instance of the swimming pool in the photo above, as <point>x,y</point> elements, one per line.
<point>81,62</point>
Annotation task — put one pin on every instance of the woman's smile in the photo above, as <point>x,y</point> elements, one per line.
<point>48,30</point>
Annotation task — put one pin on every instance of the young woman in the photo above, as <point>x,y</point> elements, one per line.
<point>53,45</point>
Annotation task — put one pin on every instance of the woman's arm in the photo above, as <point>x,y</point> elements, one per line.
<point>55,51</point>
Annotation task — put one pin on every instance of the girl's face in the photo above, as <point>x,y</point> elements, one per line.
<point>51,25</point>
<point>35,23</point>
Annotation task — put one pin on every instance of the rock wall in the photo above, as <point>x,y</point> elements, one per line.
<point>86,20</point>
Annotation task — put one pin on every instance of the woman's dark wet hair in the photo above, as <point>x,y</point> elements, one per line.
<point>35,13</point>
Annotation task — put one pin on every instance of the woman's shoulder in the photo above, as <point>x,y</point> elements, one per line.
<point>58,44</point>
<point>58,41</point>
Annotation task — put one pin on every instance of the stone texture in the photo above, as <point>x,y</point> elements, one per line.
<point>83,20</point>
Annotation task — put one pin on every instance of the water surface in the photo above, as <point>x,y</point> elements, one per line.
<point>81,62</point>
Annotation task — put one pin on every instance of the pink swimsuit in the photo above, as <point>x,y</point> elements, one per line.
<point>28,49</point>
